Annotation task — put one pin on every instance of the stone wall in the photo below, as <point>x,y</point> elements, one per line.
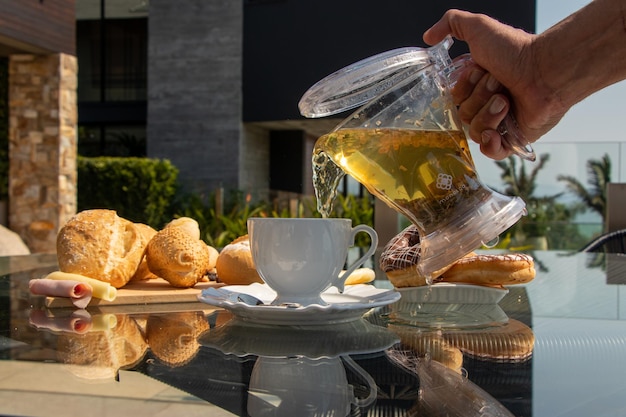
<point>42,146</point>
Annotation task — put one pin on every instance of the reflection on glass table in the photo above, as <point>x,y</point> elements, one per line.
<point>549,347</point>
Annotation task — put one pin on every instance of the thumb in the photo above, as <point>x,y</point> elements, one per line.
<point>451,23</point>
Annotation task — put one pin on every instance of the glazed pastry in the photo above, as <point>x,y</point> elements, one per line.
<point>400,257</point>
<point>506,269</point>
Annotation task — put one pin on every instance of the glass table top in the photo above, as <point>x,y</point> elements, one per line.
<point>553,347</point>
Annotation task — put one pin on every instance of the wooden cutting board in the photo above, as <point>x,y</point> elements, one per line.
<point>152,291</point>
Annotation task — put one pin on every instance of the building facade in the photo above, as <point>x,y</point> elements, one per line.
<point>211,85</point>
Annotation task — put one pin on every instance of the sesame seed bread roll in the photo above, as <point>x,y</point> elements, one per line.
<point>178,257</point>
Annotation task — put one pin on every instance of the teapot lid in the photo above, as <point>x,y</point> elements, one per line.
<point>364,80</point>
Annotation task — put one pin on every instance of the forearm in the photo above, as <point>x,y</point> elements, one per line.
<point>583,53</point>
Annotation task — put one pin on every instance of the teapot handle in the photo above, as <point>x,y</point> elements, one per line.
<point>367,378</point>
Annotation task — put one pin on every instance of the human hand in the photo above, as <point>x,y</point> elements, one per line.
<point>503,78</point>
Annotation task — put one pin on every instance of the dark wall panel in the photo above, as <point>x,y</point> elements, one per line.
<point>291,44</point>
<point>286,151</point>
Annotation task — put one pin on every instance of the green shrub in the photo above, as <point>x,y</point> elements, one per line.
<point>139,189</point>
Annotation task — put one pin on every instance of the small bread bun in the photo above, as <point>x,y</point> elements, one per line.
<point>143,272</point>
<point>101,245</point>
<point>507,269</point>
<point>235,265</point>
<point>187,224</point>
<point>177,257</point>
<point>213,254</point>
<point>361,276</point>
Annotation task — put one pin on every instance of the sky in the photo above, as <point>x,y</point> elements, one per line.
<point>588,131</point>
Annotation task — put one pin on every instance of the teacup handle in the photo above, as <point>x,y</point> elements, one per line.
<point>367,378</point>
<point>341,280</point>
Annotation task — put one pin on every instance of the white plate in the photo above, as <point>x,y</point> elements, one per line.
<point>241,339</point>
<point>350,305</point>
<point>449,293</point>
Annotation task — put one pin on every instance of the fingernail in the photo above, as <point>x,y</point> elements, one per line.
<point>492,84</point>
<point>475,76</point>
<point>485,138</point>
<point>497,105</point>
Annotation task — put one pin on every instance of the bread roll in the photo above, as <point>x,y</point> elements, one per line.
<point>143,272</point>
<point>213,254</point>
<point>187,224</point>
<point>235,265</point>
<point>101,245</point>
<point>176,256</point>
<point>360,276</point>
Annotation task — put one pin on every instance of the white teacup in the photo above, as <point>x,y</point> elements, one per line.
<point>300,258</point>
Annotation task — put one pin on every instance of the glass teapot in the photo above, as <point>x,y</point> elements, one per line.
<point>407,146</point>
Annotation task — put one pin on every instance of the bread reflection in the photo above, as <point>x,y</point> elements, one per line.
<point>101,354</point>
<point>97,346</point>
<point>430,345</point>
<point>507,342</point>
<point>173,338</point>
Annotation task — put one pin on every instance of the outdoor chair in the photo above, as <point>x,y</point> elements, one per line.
<point>613,242</point>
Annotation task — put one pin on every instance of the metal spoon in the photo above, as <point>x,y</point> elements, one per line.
<point>235,297</point>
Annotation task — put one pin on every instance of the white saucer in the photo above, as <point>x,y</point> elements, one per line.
<point>350,305</point>
<point>449,293</point>
<point>242,339</point>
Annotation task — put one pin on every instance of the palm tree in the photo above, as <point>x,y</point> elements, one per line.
<point>547,219</point>
<point>518,183</point>
<point>599,172</point>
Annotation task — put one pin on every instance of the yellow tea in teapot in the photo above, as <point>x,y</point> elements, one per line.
<point>424,174</point>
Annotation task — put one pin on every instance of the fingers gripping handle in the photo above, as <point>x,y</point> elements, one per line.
<point>512,138</point>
